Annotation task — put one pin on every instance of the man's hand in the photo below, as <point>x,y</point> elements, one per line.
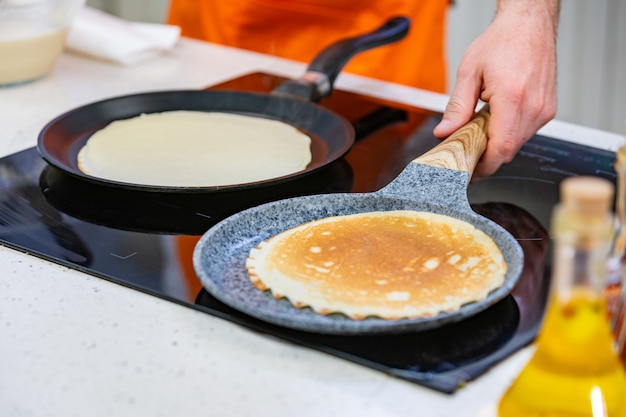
<point>512,66</point>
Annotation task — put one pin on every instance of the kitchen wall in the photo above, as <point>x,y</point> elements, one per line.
<point>139,10</point>
<point>591,51</point>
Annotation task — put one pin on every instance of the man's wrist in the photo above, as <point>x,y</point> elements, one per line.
<point>549,9</point>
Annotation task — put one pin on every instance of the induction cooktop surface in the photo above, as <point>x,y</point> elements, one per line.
<point>145,240</point>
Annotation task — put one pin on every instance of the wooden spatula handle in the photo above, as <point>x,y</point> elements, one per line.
<point>462,149</point>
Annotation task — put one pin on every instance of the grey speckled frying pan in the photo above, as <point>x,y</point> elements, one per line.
<point>435,182</point>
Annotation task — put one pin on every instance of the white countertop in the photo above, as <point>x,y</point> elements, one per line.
<point>75,345</point>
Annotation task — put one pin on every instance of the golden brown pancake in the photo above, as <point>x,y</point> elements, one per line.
<point>392,265</point>
<point>194,148</point>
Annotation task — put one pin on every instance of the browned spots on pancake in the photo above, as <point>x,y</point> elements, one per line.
<point>389,264</point>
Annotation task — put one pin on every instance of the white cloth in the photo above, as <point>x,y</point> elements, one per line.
<point>104,36</point>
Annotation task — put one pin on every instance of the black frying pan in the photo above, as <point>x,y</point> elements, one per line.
<point>435,182</point>
<point>292,102</point>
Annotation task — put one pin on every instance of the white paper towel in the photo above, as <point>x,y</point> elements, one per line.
<point>104,36</point>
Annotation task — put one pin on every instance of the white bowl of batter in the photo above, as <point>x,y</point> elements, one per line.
<point>32,36</point>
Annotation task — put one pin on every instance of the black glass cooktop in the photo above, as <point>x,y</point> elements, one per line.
<point>145,240</point>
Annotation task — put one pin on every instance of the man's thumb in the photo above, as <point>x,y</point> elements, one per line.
<point>457,113</point>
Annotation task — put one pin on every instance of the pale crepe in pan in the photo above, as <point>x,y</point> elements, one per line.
<point>194,148</point>
<point>391,265</point>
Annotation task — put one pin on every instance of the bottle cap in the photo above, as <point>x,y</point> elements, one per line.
<point>587,196</point>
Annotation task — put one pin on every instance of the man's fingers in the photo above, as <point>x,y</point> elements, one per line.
<point>506,137</point>
<point>489,163</point>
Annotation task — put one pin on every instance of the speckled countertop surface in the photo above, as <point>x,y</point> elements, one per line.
<point>75,345</point>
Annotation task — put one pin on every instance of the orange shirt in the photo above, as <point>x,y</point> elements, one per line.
<point>299,29</point>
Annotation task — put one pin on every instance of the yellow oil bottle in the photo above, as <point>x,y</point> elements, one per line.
<point>575,370</point>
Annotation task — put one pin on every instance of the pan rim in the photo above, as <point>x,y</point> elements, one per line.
<point>47,152</point>
<point>335,324</point>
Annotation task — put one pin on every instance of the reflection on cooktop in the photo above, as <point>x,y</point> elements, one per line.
<point>145,240</point>
<point>417,356</point>
<point>175,213</point>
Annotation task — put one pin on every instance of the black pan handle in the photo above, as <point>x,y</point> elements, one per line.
<point>319,78</point>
